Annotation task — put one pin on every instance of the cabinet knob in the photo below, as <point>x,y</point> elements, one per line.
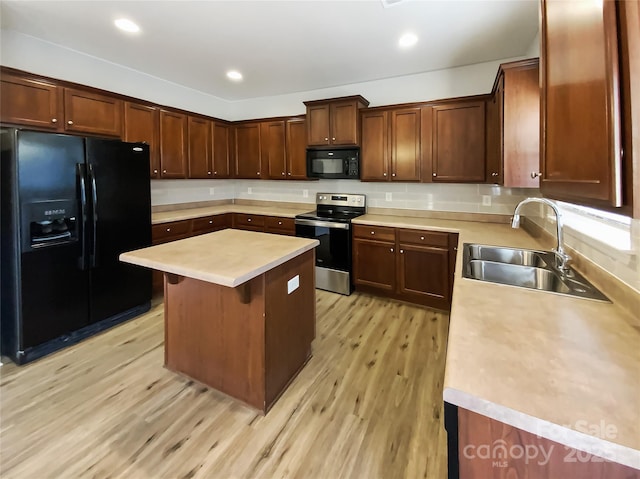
<point>393,174</point>
<point>258,173</point>
<point>535,175</point>
<point>215,172</point>
<point>69,122</point>
<point>249,219</point>
<point>155,172</point>
<point>54,120</point>
<point>164,171</point>
<point>494,174</point>
<point>208,173</point>
<point>289,173</point>
<point>422,238</point>
<point>391,249</point>
<point>434,174</point>
<point>210,222</point>
<point>326,139</point>
<point>373,232</point>
<point>279,222</point>
<point>333,139</point>
<point>168,229</point>
<point>384,174</point>
<point>283,173</point>
<point>401,251</point>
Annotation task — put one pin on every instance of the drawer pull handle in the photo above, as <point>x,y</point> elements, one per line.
<point>391,249</point>
<point>248,219</point>
<point>69,122</point>
<point>422,238</point>
<point>373,232</point>
<point>279,222</point>
<point>208,173</point>
<point>168,230</point>
<point>210,222</point>
<point>54,120</point>
<point>401,251</point>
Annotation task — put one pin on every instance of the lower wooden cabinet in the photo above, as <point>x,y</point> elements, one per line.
<point>243,221</point>
<point>411,265</point>
<point>479,446</point>
<point>281,226</point>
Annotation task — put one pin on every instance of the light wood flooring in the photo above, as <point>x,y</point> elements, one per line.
<point>367,405</point>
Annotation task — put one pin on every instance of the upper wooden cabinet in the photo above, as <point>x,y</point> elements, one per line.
<point>221,152</point>
<point>587,69</point>
<point>247,150</point>
<point>141,123</point>
<point>272,144</point>
<point>458,142</point>
<point>296,146</point>
<point>391,145</point>
<point>30,102</point>
<point>173,144</point>
<point>86,112</point>
<point>513,119</point>
<point>334,122</point>
<point>200,148</point>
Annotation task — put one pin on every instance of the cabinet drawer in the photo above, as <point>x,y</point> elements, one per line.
<point>161,233</point>
<point>419,237</point>
<point>253,221</point>
<point>279,223</point>
<point>381,233</point>
<point>210,223</point>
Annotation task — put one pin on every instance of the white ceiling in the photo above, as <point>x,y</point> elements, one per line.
<point>281,46</point>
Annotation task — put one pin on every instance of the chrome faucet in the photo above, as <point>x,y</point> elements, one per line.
<point>562,258</point>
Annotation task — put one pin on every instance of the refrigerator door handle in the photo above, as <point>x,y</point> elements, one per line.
<point>94,215</point>
<point>80,171</point>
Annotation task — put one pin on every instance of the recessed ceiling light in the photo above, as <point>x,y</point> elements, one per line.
<point>408,40</point>
<point>234,75</point>
<point>127,25</point>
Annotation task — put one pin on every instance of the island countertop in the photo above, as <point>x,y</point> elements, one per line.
<point>228,257</point>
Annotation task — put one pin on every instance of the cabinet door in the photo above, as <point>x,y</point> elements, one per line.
<point>221,154</point>
<point>200,164</point>
<point>423,273</point>
<point>344,123</point>
<point>520,116</point>
<point>494,134</point>
<point>30,102</point>
<point>173,144</point>
<point>296,149</point>
<point>318,125</point>
<point>141,123</point>
<point>91,113</point>
<point>405,144</point>
<point>247,150</point>
<point>374,264</point>
<point>272,139</point>
<point>581,131</point>
<point>374,153</point>
<point>459,142</point>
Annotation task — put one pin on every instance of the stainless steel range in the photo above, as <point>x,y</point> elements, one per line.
<point>330,224</point>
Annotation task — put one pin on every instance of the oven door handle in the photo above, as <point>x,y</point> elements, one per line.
<point>322,224</point>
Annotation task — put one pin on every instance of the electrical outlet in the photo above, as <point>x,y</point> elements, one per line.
<point>388,197</point>
<point>486,200</point>
<point>250,190</point>
<point>305,193</point>
<point>212,191</point>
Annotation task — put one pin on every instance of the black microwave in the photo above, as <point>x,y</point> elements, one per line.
<point>333,164</point>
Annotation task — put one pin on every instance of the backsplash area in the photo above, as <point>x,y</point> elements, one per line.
<point>418,196</point>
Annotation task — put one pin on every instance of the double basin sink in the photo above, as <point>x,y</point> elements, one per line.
<point>526,269</point>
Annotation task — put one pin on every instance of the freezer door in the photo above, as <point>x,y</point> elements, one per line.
<point>120,220</point>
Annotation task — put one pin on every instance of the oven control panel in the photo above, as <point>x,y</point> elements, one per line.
<point>340,199</point>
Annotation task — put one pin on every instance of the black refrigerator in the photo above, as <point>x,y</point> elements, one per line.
<point>70,206</point>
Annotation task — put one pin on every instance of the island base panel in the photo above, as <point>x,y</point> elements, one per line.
<point>247,342</point>
<point>215,338</point>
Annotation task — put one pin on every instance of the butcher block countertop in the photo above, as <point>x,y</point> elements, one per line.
<point>228,257</point>
<point>564,368</point>
<point>190,213</point>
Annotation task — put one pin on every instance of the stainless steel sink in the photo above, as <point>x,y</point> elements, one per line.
<point>526,269</point>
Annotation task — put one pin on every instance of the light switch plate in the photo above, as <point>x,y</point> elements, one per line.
<point>212,191</point>
<point>305,193</point>
<point>293,284</point>
<point>486,200</point>
<point>249,190</point>
<point>388,197</point>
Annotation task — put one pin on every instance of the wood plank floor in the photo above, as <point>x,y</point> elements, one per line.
<point>367,405</point>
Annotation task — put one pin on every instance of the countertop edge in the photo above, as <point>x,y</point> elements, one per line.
<point>554,432</point>
<point>231,282</point>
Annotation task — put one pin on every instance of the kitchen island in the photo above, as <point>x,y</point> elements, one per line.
<point>239,309</point>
